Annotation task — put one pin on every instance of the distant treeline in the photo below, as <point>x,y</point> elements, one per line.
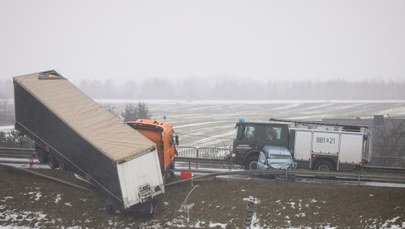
<point>198,88</point>
<point>245,90</point>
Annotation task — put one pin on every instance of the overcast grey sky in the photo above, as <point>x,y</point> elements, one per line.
<point>266,40</point>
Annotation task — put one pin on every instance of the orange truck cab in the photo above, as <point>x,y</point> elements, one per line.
<point>162,134</point>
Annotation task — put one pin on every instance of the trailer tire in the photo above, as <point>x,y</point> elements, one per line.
<point>148,208</point>
<point>63,165</point>
<point>324,166</point>
<point>109,206</point>
<point>52,162</point>
<point>42,154</point>
<point>251,163</point>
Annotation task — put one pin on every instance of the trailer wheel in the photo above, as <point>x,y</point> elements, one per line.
<point>109,206</point>
<point>52,162</point>
<point>324,166</point>
<point>42,155</point>
<point>251,163</point>
<point>63,165</point>
<point>147,209</point>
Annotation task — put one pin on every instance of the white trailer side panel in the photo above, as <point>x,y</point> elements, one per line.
<point>302,145</point>
<point>135,173</point>
<point>324,142</point>
<point>351,149</point>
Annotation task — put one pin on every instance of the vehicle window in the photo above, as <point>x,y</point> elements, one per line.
<point>249,133</point>
<point>273,133</point>
<point>172,139</point>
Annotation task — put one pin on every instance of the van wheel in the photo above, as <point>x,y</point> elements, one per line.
<point>324,166</point>
<point>251,163</point>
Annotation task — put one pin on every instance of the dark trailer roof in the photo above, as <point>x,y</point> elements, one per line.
<point>93,123</point>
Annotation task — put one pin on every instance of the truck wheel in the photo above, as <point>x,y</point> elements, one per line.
<point>52,162</point>
<point>251,163</point>
<point>324,166</point>
<point>168,176</point>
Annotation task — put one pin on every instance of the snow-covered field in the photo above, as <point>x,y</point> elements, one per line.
<point>209,123</point>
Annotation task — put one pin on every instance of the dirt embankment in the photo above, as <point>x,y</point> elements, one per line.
<point>31,201</point>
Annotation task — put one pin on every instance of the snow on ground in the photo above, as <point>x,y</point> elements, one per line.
<point>6,128</point>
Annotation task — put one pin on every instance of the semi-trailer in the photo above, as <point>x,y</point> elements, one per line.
<point>72,131</point>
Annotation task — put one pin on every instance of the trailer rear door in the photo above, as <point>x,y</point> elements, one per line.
<point>138,177</point>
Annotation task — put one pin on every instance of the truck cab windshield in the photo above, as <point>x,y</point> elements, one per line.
<point>264,133</point>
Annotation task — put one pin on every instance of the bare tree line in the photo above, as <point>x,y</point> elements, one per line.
<point>221,88</point>
<point>160,88</point>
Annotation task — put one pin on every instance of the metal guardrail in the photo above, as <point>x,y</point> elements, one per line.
<point>206,157</point>
<point>16,152</point>
<point>17,156</point>
<point>21,156</point>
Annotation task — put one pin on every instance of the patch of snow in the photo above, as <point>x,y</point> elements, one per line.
<point>6,128</point>
<point>292,204</point>
<point>7,198</point>
<point>199,224</point>
<point>252,199</point>
<point>313,201</point>
<point>389,223</point>
<point>15,216</point>
<point>214,225</point>
<point>58,198</point>
<point>35,195</point>
<point>68,204</point>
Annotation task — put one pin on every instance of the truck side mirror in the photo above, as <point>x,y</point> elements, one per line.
<point>176,140</point>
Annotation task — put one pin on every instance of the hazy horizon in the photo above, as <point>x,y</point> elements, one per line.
<point>316,40</point>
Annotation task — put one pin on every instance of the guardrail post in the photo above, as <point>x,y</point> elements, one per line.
<point>198,154</point>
